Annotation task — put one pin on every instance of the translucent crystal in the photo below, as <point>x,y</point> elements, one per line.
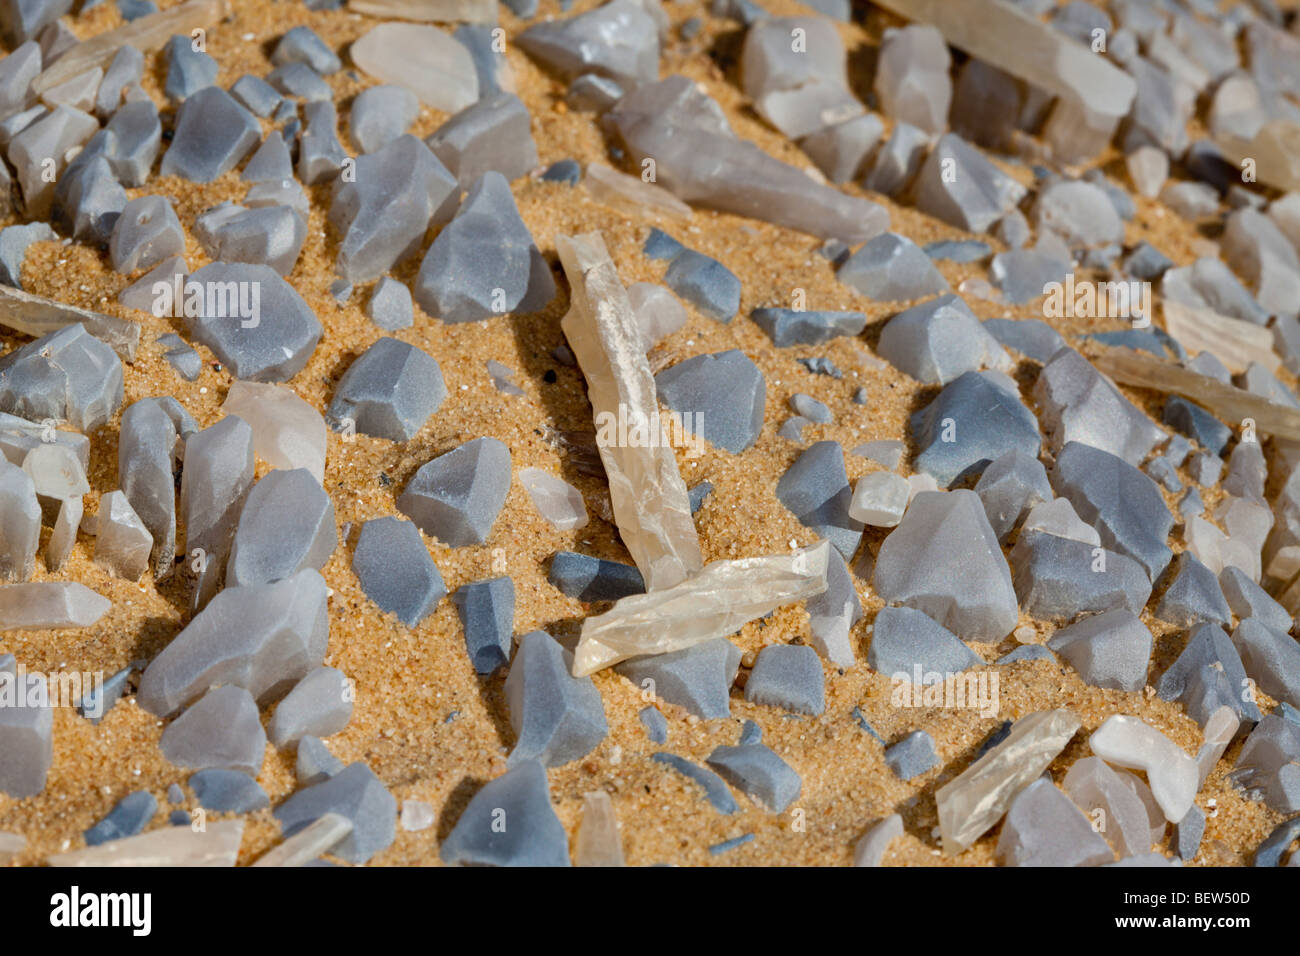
<point>870,848</point>
<point>1094,787</point>
<point>1131,742</point>
<point>122,542</point>
<point>647,493</point>
<point>797,88</point>
<point>424,59</point>
<point>598,842</point>
<point>700,160</point>
<point>286,525</point>
<point>713,603</point>
<point>912,78</point>
<point>215,845</point>
<point>558,501</point>
<point>288,433</point>
<point>1044,828</point>
<point>146,461</point>
<point>49,604</point>
<point>630,192</point>
<point>970,804</point>
<point>318,837</point>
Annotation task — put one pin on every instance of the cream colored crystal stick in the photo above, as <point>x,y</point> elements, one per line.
<point>309,843</point>
<point>646,491</point>
<point>429,11</point>
<point>598,842</point>
<point>997,33</point>
<point>145,34</point>
<point>1273,154</point>
<point>1234,342</point>
<point>215,845</point>
<point>1225,402</point>
<point>714,603</point>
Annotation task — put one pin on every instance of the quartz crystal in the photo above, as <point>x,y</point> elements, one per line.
<point>713,603</point>
<point>424,59</point>
<point>49,605</point>
<point>215,845</point>
<point>1131,742</point>
<point>700,159</point>
<point>558,501</point>
<point>122,542</point>
<point>598,842</point>
<point>318,837</point>
<point>970,804</point>
<point>288,433</point>
<point>647,493</point>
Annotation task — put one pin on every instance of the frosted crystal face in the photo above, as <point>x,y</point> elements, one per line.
<point>970,804</point>
<point>619,40</point>
<point>456,497</point>
<point>713,603</point>
<point>1044,828</point>
<point>288,433</point>
<point>424,59</point>
<point>389,392</point>
<point>537,839</point>
<point>122,542</point>
<point>221,729</point>
<point>49,604</point>
<point>557,718</point>
<point>356,794</point>
<point>319,705</point>
<point>213,133</point>
<point>944,559</point>
<point>67,375</point>
<point>493,134</point>
<point>1131,742</point>
<point>286,525</point>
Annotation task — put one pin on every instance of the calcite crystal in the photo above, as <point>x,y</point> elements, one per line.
<point>647,493</point>
<point>970,804</point>
<point>713,603</point>
<point>217,844</point>
<point>698,157</point>
<point>1131,742</point>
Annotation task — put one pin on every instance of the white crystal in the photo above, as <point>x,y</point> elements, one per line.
<point>1148,167</point>
<point>217,844</point>
<point>1219,730</point>
<point>1131,742</point>
<point>288,433</point>
<point>558,501</point>
<point>658,312</point>
<point>424,59</point>
<point>630,192</point>
<point>714,603</point>
<point>122,543</point>
<point>1058,517</point>
<point>879,499</point>
<point>417,815</point>
<point>598,842</point>
<point>870,849</point>
<point>49,604</point>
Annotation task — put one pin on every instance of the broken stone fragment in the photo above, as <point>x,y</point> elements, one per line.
<point>221,729</point>
<point>320,154</point>
<point>619,40</point>
<point>788,676</point>
<point>756,770</point>
<point>396,571</point>
<point>314,763</point>
<point>319,705</point>
<point>976,419</point>
<point>908,645</point>
<point>122,542</point>
<point>456,497</point>
<point>593,579</point>
<point>1079,404</point>
<point>67,375</point>
<point>384,211</point>
<point>130,815</point>
<point>389,392</point>
<point>355,794</point>
<point>265,235</point>
<point>1193,595</point>
<point>459,281</point>
<point>944,560</point>
<point>960,186</point>
<point>1044,828</point>
<point>698,678</point>
<point>788,327</point>
<point>1124,505</point>
<point>721,397</point>
<point>26,732</point>
<point>794,71</point>
<point>973,802</point>
<point>1130,742</point>
<point>700,160</point>
<point>216,845</point>
<point>534,837</point>
<point>1111,649</point>
<point>816,490</point>
<point>288,433</point>
<point>214,482</point>
<point>254,321</point>
<point>716,602</point>
<point>286,525</point>
<point>1012,485</point>
<point>213,133</point>
<point>487,615</point>
<point>492,134</point>
<point>1058,578</point>
<point>555,499</point>
<point>912,78</point>
<point>146,461</point>
<point>49,605</point>
<point>264,638</point>
<point>557,718</point>
<point>892,268</point>
<point>424,59</point>
<point>598,842</point>
<point>20,523</point>
<point>833,613</point>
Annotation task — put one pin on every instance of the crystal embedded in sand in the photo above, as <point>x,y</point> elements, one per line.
<point>647,493</point>
<point>976,799</point>
<point>216,845</point>
<point>308,843</point>
<point>122,543</point>
<point>1133,743</point>
<point>49,604</point>
<point>598,842</point>
<point>288,433</point>
<point>214,482</point>
<point>146,458</point>
<point>716,602</point>
<point>698,157</point>
<point>424,59</point>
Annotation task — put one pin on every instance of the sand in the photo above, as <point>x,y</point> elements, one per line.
<point>424,722</point>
